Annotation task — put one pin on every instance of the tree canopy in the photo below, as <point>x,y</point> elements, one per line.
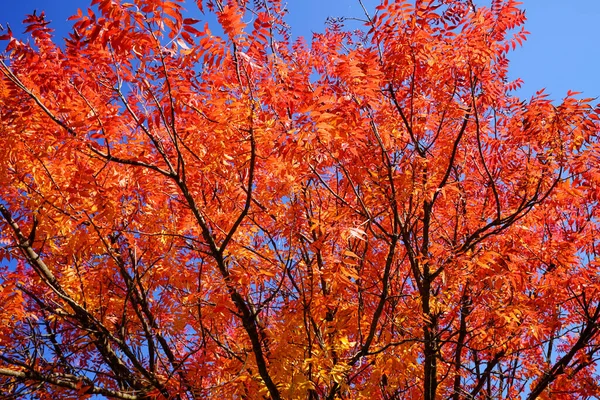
<point>373,214</point>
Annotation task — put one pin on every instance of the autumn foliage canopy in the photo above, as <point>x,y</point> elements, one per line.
<point>195,205</point>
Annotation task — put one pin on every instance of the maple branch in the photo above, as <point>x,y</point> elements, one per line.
<point>372,25</point>
<point>247,316</point>
<point>465,309</point>
<point>139,301</point>
<point>170,127</point>
<point>156,142</point>
<point>390,175</point>
<point>93,110</point>
<point>383,297</point>
<point>125,161</point>
<point>500,224</point>
<point>407,124</point>
<point>15,80</point>
<point>180,162</point>
<point>23,243</point>
<point>81,384</point>
<point>486,373</point>
<point>203,114</point>
<point>52,335</point>
<point>589,331</point>
<point>100,334</point>
<point>461,133</point>
<point>249,189</point>
<point>366,213</point>
<point>485,167</point>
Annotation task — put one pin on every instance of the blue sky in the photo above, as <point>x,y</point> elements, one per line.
<point>561,53</point>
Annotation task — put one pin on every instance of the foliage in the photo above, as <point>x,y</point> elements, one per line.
<point>374,215</point>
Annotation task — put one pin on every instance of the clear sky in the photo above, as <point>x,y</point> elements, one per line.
<point>562,52</point>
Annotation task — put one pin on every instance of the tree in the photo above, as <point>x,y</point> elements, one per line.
<point>375,215</point>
